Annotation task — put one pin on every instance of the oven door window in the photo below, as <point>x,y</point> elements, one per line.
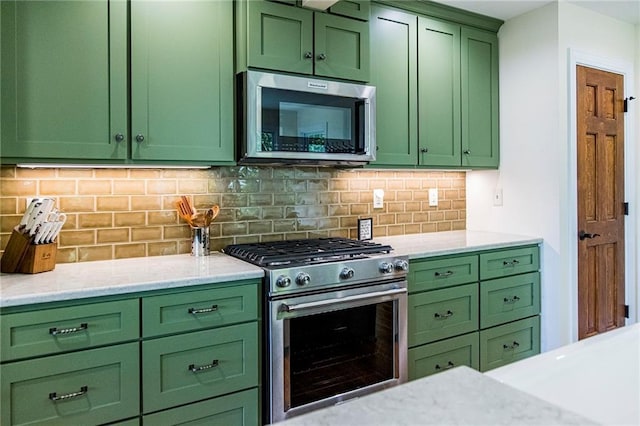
<point>337,352</point>
<point>295,121</point>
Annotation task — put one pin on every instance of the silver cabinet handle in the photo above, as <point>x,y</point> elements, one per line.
<point>322,57</point>
<point>513,262</point>
<point>139,138</point>
<point>511,346</point>
<point>513,299</point>
<point>446,367</point>
<point>53,396</point>
<point>443,274</point>
<point>308,55</point>
<point>443,316</point>
<point>54,331</point>
<point>195,311</point>
<point>194,369</point>
<point>119,137</point>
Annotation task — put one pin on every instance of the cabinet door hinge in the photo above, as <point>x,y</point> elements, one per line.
<point>625,208</point>
<point>626,103</point>
<point>626,311</point>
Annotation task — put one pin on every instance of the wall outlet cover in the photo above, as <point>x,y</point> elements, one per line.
<point>433,197</point>
<point>378,198</point>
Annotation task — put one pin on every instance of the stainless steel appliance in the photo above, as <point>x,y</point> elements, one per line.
<point>305,120</point>
<point>335,321</point>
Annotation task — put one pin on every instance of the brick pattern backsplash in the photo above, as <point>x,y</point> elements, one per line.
<point>123,213</point>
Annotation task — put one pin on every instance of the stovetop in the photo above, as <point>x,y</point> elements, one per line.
<point>284,254</point>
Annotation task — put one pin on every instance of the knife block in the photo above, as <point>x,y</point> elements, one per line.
<point>22,256</point>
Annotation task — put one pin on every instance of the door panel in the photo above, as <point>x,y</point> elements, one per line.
<point>182,80</point>
<point>394,73</point>
<point>63,79</point>
<point>600,230</point>
<point>345,45</point>
<point>439,93</point>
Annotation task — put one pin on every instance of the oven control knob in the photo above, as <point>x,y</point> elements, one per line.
<point>303,278</point>
<point>347,273</point>
<point>283,281</point>
<point>401,265</point>
<point>386,268</point>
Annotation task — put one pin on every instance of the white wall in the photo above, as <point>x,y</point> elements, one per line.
<point>536,173</point>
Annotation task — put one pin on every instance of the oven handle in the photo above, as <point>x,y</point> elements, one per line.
<point>380,294</point>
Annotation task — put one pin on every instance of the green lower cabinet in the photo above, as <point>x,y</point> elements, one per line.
<point>439,314</point>
<point>194,366</point>
<point>503,263</point>
<point>509,342</point>
<point>440,356</point>
<point>89,387</point>
<point>238,409</point>
<point>432,274</point>
<point>508,299</point>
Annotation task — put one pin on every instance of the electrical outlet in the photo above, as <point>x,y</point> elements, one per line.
<point>433,197</point>
<point>378,198</point>
<point>497,197</point>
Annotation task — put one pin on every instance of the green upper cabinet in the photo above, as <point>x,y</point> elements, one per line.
<point>480,110</point>
<point>286,38</point>
<point>182,81</point>
<point>68,94</point>
<point>452,122</point>
<point>394,44</point>
<point>439,96</point>
<point>63,86</point>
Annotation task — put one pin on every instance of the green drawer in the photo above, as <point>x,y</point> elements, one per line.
<point>508,299</point>
<point>110,375</point>
<point>438,314</point>
<point>195,310</point>
<point>224,359</point>
<point>440,356</point>
<point>29,334</point>
<point>432,274</point>
<point>238,409</point>
<point>514,261</point>
<point>508,343</point>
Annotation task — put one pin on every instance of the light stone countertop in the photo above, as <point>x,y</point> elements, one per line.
<point>112,277</point>
<point>452,242</point>
<point>460,396</point>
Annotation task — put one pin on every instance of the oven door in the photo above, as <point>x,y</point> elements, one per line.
<point>329,347</point>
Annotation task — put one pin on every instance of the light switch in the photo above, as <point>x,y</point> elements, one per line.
<point>378,198</point>
<point>433,197</point>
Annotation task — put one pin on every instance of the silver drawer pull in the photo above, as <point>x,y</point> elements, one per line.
<point>442,316</point>
<point>53,396</point>
<point>511,346</point>
<point>513,299</point>
<point>443,274</point>
<point>194,311</point>
<point>513,262</point>
<point>56,332</point>
<point>194,369</point>
<point>446,367</point>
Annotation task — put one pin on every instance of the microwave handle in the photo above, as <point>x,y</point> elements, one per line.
<point>360,124</point>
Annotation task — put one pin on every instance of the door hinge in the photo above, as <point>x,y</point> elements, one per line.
<point>626,311</point>
<point>626,103</point>
<point>625,209</point>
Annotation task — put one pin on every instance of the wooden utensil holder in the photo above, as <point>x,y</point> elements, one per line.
<point>22,256</point>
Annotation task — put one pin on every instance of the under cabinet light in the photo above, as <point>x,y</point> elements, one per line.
<point>318,4</point>
<point>106,166</point>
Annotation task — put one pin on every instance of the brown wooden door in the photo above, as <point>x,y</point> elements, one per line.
<point>600,232</point>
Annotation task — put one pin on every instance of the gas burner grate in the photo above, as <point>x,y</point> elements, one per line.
<point>307,251</point>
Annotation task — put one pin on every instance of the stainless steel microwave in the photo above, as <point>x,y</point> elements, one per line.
<point>287,119</point>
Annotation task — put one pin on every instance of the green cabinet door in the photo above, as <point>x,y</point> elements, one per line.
<point>279,37</point>
<point>63,87</point>
<point>479,64</point>
<point>439,93</point>
<point>358,9</point>
<point>394,73</point>
<point>341,47</point>
<point>182,81</point>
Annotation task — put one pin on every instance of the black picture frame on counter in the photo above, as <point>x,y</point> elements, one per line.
<point>365,229</point>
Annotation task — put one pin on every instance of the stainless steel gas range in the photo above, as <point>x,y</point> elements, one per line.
<point>335,321</point>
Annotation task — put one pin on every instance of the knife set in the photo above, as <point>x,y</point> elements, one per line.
<point>32,246</point>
